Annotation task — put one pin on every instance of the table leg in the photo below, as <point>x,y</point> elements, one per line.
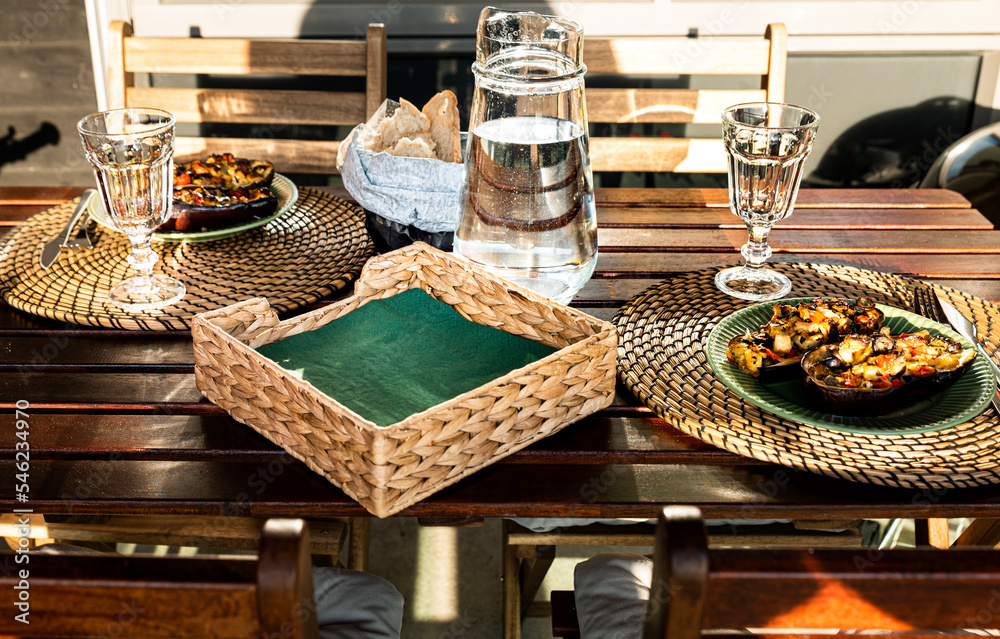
<point>357,551</point>
<point>511,590</point>
<point>931,532</point>
<point>533,571</point>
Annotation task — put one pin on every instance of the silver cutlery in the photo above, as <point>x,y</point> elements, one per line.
<point>52,248</point>
<point>968,330</point>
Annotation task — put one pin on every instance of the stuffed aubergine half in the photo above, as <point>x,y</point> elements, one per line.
<point>877,374</point>
<point>774,352</point>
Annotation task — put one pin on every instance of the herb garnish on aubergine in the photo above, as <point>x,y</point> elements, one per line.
<point>774,352</point>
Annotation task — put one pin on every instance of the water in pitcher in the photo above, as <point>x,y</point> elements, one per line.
<point>527,205</point>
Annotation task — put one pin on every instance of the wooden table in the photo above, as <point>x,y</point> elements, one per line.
<point>117,425</point>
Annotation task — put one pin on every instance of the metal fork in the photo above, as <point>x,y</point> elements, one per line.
<point>925,304</point>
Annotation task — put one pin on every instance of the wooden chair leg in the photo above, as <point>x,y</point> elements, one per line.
<point>984,531</point>
<point>357,551</point>
<point>511,589</point>
<point>931,532</point>
<point>564,621</point>
<point>533,572</point>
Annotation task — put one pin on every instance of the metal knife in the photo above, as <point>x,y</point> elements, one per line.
<point>967,329</point>
<point>52,248</point>
<point>82,237</point>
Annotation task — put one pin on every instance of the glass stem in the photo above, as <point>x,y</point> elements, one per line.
<point>142,258</point>
<point>756,251</point>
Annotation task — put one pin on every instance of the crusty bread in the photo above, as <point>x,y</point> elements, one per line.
<point>405,121</point>
<point>432,133</point>
<point>442,111</point>
<point>417,147</point>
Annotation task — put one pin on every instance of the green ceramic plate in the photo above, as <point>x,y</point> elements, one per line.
<point>283,188</point>
<point>965,399</point>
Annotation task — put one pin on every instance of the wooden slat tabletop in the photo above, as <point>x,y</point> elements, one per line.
<point>118,426</point>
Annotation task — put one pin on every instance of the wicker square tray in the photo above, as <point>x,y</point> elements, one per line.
<point>389,468</point>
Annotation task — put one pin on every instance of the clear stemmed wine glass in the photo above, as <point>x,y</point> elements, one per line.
<point>131,151</point>
<point>766,144</point>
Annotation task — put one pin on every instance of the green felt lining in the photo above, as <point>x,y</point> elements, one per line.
<point>401,355</point>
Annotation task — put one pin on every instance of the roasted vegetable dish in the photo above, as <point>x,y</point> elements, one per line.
<point>774,352</point>
<point>875,374</point>
<point>220,191</point>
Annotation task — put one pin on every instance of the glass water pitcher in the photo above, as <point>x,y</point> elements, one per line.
<point>527,201</point>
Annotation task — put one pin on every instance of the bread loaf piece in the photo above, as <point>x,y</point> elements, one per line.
<point>413,148</point>
<point>432,133</point>
<point>404,122</point>
<point>442,111</point>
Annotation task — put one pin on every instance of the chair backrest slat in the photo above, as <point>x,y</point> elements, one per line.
<point>376,72</point>
<point>679,155</point>
<point>774,81</point>
<point>101,607</point>
<point>899,590</point>
<point>253,106</point>
<point>235,56</point>
<point>292,156</point>
<point>285,588</point>
<point>665,105</point>
<point>680,576</point>
<point>669,56</point>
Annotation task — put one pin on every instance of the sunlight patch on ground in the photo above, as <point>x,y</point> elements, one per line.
<point>436,597</point>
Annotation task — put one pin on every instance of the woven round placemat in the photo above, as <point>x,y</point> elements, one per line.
<point>303,256</point>
<point>661,358</point>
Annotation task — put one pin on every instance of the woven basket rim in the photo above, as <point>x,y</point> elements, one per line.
<point>388,468</point>
<point>602,329</point>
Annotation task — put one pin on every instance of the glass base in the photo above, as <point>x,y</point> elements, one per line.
<point>757,286</point>
<point>133,297</point>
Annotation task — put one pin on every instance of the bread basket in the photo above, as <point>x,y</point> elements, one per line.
<point>406,199</point>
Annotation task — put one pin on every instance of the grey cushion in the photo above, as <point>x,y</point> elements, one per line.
<point>612,593</point>
<point>356,605</point>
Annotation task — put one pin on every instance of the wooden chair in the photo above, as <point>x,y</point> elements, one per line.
<point>676,56</point>
<point>696,590</point>
<point>121,596</point>
<point>528,555</point>
<point>129,55</point>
